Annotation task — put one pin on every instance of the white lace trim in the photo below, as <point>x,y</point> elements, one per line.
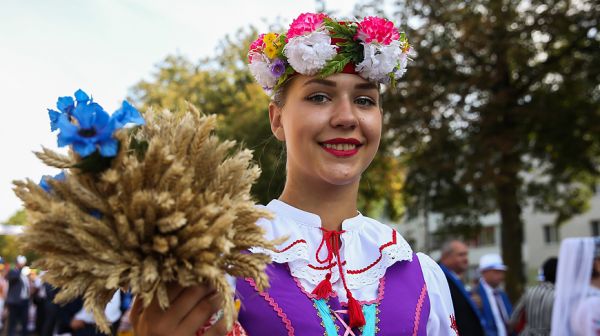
<point>361,245</point>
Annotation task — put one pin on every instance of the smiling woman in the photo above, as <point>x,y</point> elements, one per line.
<point>339,272</point>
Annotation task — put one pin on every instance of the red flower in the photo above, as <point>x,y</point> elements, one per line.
<point>376,29</point>
<point>305,23</point>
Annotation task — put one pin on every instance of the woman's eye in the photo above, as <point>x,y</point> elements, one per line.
<point>317,98</point>
<point>365,101</point>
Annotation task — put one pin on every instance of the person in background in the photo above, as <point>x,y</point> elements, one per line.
<point>455,262</point>
<point>577,297</point>
<point>83,323</point>
<point>3,291</point>
<point>39,297</point>
<point>495,307</point>
<point>533,312</point>
<point>17,298</point>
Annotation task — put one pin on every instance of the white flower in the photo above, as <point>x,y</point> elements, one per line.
<point>308,54</point>
<point>260,69</point>
<point>379,61</point>
<point>401,70</point>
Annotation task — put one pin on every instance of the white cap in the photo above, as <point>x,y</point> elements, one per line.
<point>21,260</point>
<point>491,261</point>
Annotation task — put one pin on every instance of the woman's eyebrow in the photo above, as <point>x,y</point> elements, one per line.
<point>366,86</point>
<point>359,86</point>
<point>320,81</point>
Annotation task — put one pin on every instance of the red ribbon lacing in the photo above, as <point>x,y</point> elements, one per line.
<point>331,239</point>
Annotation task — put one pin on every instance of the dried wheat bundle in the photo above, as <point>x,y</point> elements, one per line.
<point>173,205</point>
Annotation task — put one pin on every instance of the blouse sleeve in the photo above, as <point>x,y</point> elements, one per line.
<point>441,316</point>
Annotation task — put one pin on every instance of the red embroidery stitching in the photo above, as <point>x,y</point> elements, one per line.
<point>453,325</point>
<point>388,244</point>
<point>276,308</point>
<point>291,245</point>
<point>419,308</point>
<point>320,268</point>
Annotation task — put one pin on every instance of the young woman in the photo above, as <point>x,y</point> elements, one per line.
<point>339,273</point>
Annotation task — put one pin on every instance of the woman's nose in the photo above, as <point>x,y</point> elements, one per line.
<point>343,114</point>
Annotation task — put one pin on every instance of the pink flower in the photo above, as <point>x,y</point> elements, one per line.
<point>256,47</point>
<point>305,23</point>
<point>376,29</point>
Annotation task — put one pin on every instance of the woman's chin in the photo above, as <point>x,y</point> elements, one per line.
<point>341,178</point>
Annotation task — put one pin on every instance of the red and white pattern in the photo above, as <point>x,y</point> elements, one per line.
<point>453,325</point>
<point>237,330</point>
<point>365,255</point>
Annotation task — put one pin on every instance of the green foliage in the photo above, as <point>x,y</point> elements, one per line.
<point>222,85</point>
<point>9,245</point>
<point>335,65</point>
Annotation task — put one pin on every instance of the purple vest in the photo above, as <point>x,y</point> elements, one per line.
<point>285,309</point>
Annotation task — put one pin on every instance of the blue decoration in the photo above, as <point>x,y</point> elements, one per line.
<point>369,311</point>
<point>127,114</point>
<point>87,127</point>
<point>44,181</point>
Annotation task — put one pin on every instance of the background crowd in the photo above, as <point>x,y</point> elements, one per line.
<point>481,304</point>
<point>483,308</point>
<point>27,307</point>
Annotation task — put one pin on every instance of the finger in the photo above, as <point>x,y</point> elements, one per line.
<point>187,301</point>
<point>164,321</point>
<point>200,314</point>
<point>173,291</point>
<point>136,310</point>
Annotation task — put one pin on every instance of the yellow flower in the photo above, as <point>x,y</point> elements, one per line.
<point>270,50</point>
<point>269,38</point>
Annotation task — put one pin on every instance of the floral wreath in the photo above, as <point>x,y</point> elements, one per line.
<point>316,44</point>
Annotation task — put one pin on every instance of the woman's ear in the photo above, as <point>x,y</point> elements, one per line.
<point>275,119</point>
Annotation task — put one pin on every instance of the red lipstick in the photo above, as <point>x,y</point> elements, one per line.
<point>341,147</point>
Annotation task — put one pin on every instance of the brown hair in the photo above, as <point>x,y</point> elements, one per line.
<point>280,93</point>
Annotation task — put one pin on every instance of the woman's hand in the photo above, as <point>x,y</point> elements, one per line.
<point>190,309</point>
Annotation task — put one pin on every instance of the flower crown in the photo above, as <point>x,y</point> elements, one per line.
<point>316,44</point>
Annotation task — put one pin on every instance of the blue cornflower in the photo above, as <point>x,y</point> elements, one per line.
<point>44,181</point>
<point>87,129</point>
<point>127,114</point>
<point>65,105</point>
<point>81,96</point>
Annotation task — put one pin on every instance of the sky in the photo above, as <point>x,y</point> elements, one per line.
<point>52,48</point>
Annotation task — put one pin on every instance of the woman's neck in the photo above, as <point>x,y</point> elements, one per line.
<point>332,203</point>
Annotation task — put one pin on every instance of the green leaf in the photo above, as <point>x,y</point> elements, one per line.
<point>138,147</point>
<point>94,163</point>
<point>336,65</point>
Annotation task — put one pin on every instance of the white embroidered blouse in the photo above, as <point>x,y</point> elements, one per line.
<point>368,248</point>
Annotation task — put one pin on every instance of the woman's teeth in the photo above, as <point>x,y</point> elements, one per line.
<point>342,147</point>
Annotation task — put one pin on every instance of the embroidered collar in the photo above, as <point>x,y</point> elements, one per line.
<point>368,247</point>
<point>310,219</point>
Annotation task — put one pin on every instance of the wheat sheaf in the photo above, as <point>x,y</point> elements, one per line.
<point>177,211</point>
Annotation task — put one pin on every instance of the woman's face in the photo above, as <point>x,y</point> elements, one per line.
<point>331,127</point>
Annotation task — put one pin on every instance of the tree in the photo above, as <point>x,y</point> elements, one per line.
<point>223,85</point>
<point>9,245</point>
<point>499,108</point>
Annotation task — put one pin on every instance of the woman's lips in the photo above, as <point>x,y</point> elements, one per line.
<point>341,147</point>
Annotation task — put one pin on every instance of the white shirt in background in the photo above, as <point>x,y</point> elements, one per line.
<point>112,311</point>
<point>489,292</point>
